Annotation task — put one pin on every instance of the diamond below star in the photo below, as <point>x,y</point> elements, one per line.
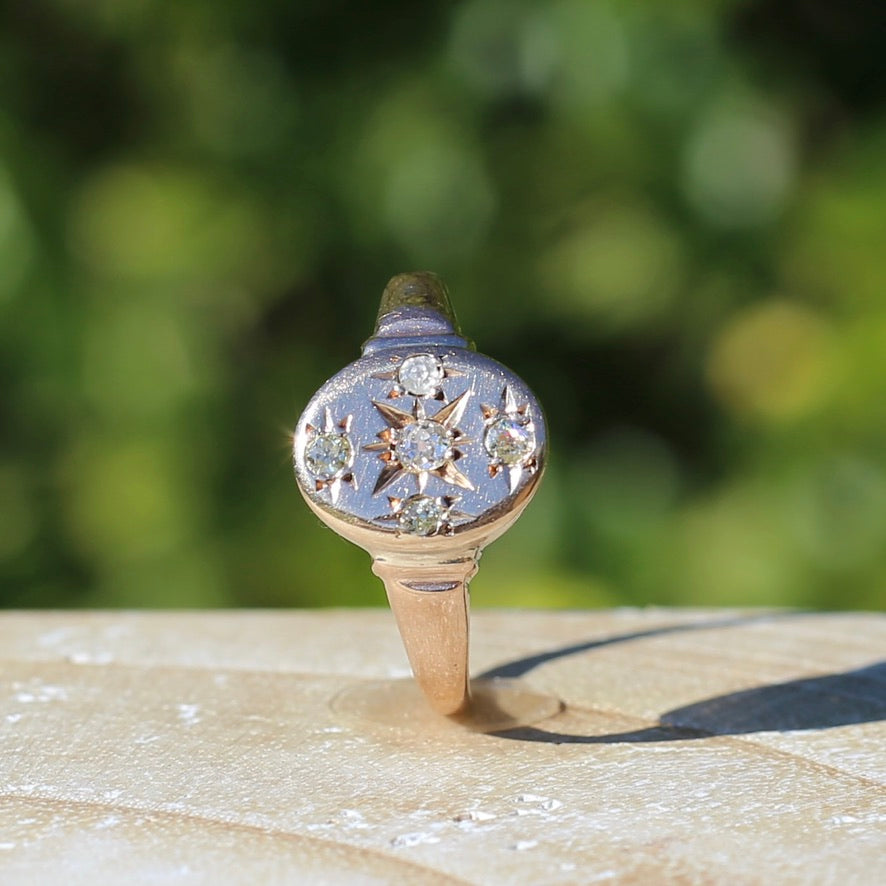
<point>421,515</point>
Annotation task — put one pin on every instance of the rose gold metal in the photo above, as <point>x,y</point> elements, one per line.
<point>426,579</point>
<point>425,575</point>
<point>431,606</point>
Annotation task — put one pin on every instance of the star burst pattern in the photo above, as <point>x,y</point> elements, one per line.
<point>418,445</point>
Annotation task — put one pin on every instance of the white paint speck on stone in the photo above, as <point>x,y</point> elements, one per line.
<point>475,815</point>
<point>188,713</point>
<point>85,657</point>
<point>53,638</point>
<point>38,693</point>
<point>405,841</point>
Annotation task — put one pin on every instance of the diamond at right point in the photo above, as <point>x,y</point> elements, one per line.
<point>510,439</point>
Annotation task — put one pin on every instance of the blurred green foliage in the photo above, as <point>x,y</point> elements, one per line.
<point>668,217</point>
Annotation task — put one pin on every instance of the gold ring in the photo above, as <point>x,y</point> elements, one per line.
<point>422,452</point>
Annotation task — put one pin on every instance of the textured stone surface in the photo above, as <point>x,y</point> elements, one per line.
<point>230,747</point>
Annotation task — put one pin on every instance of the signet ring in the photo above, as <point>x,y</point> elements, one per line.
<point>422,452</point>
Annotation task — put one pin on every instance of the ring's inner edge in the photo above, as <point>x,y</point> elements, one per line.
<point>431,585</point>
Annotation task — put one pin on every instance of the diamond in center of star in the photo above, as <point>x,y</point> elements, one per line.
<point>423,445</point>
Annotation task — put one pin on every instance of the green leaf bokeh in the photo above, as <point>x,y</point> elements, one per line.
<point>669,218</point>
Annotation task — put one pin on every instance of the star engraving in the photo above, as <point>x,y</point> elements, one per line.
<point>416,444</point>
<point>419,375</point>
<point>509,439</point>
<point>329,455</point>
<point>424,515</point>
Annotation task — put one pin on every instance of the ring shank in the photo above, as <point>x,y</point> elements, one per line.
<point>431,605</point>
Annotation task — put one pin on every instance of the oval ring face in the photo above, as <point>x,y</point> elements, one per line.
<point>420,442</point>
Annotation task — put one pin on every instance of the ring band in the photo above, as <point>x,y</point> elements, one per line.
<point>422,452</point>
<point>432,613</point>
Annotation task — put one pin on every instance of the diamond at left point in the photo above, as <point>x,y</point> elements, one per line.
<point>328,456</point>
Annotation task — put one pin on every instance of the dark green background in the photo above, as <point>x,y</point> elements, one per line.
<point>669,217</point>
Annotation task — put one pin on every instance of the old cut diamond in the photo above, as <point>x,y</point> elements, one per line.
<point>423,445</point>
<point>510,440</point>
<point>421,515</point>
<point>420,375</point>
<point>328,455</point>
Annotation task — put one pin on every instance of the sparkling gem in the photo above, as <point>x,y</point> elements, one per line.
<point>423,445</point>
<point>420,515</point>
<point>420,375</point>
<point>510,439</point>
<point>328,455</point>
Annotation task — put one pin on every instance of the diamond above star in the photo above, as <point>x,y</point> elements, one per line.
<point>419,375</point>
<point>420,445</point>
<point>509,439</point>
<point>329,455</point>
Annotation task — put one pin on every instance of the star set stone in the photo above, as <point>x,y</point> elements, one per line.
<point>423,445</point>
<point>328,455</point>
<point>509,439</point>
<point>420,375</point>
<point>421,515</point>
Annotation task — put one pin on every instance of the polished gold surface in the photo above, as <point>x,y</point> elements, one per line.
<point>428,452</point>
<point>432,606</point>
<point>417,289</point>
